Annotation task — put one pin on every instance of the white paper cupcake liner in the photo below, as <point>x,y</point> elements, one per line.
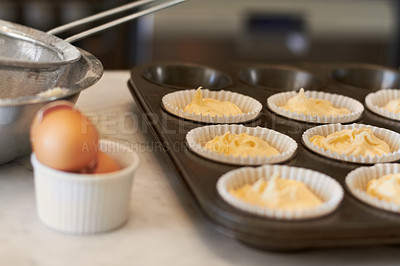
<point>276,101</point>
<point>358,179</point>
<point>175,103</point>
<point>325,187</point>
<point>392,139</point>
<point>196,139</point>
<point>375,102</point>
<point>83,203</point>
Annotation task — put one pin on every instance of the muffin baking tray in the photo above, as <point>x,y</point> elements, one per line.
<point>353,223</point>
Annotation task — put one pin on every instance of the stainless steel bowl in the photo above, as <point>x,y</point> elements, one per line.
<point>19,101</point>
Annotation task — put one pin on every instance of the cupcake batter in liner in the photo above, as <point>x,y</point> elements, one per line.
<point>390,137</point>
<point>377,100</point>
<point>277,101</point>
<point>196,139</point>
<point>176,102</point>
<point>358,179</point>
<point>323,186</point>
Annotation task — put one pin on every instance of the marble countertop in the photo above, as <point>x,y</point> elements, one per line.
<point>165,226</point>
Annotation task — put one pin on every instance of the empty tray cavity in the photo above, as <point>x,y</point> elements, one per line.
<point>187,76</point>
<point>367,77</point>
<point>282,78</point>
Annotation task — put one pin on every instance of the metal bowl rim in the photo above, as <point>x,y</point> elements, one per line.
<point>94,73</point>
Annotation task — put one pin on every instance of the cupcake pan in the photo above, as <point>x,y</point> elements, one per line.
<point>353,223</point>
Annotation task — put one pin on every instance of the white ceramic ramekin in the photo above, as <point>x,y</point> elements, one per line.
<point>84,203</point>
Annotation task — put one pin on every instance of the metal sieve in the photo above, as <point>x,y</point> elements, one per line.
<point>32,62</point>
<point>25,47</point>
<point>16,113</point>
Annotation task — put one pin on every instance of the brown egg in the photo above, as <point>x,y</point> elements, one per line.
<point>42,112</point>
<point>105,164</point>
<point>63,138</point>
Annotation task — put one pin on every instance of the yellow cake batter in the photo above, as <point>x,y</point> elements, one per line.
<point>302,104</point>
<point>385,188</point>
<point>393,106</point>
<point>278,193</point>
<point>357,142</point>
<point>241,145</point>
<point>208,106</point>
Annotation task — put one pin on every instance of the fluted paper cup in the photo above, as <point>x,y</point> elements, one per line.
<point>358,179</point>
<point>390,137</point>
<point>176,102</point>
<point>277,101</point>
<point>196,139</point>
<point>377,100</point>
<point>323,186</point>
<point>85,203</point>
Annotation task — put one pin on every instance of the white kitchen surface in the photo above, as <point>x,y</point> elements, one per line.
<point>165,227</point>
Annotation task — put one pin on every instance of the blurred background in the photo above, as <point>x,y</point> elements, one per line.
<point>218,31</point>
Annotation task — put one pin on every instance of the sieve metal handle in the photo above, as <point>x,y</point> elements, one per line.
<point>113,23</point>
<point>98,16</point>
